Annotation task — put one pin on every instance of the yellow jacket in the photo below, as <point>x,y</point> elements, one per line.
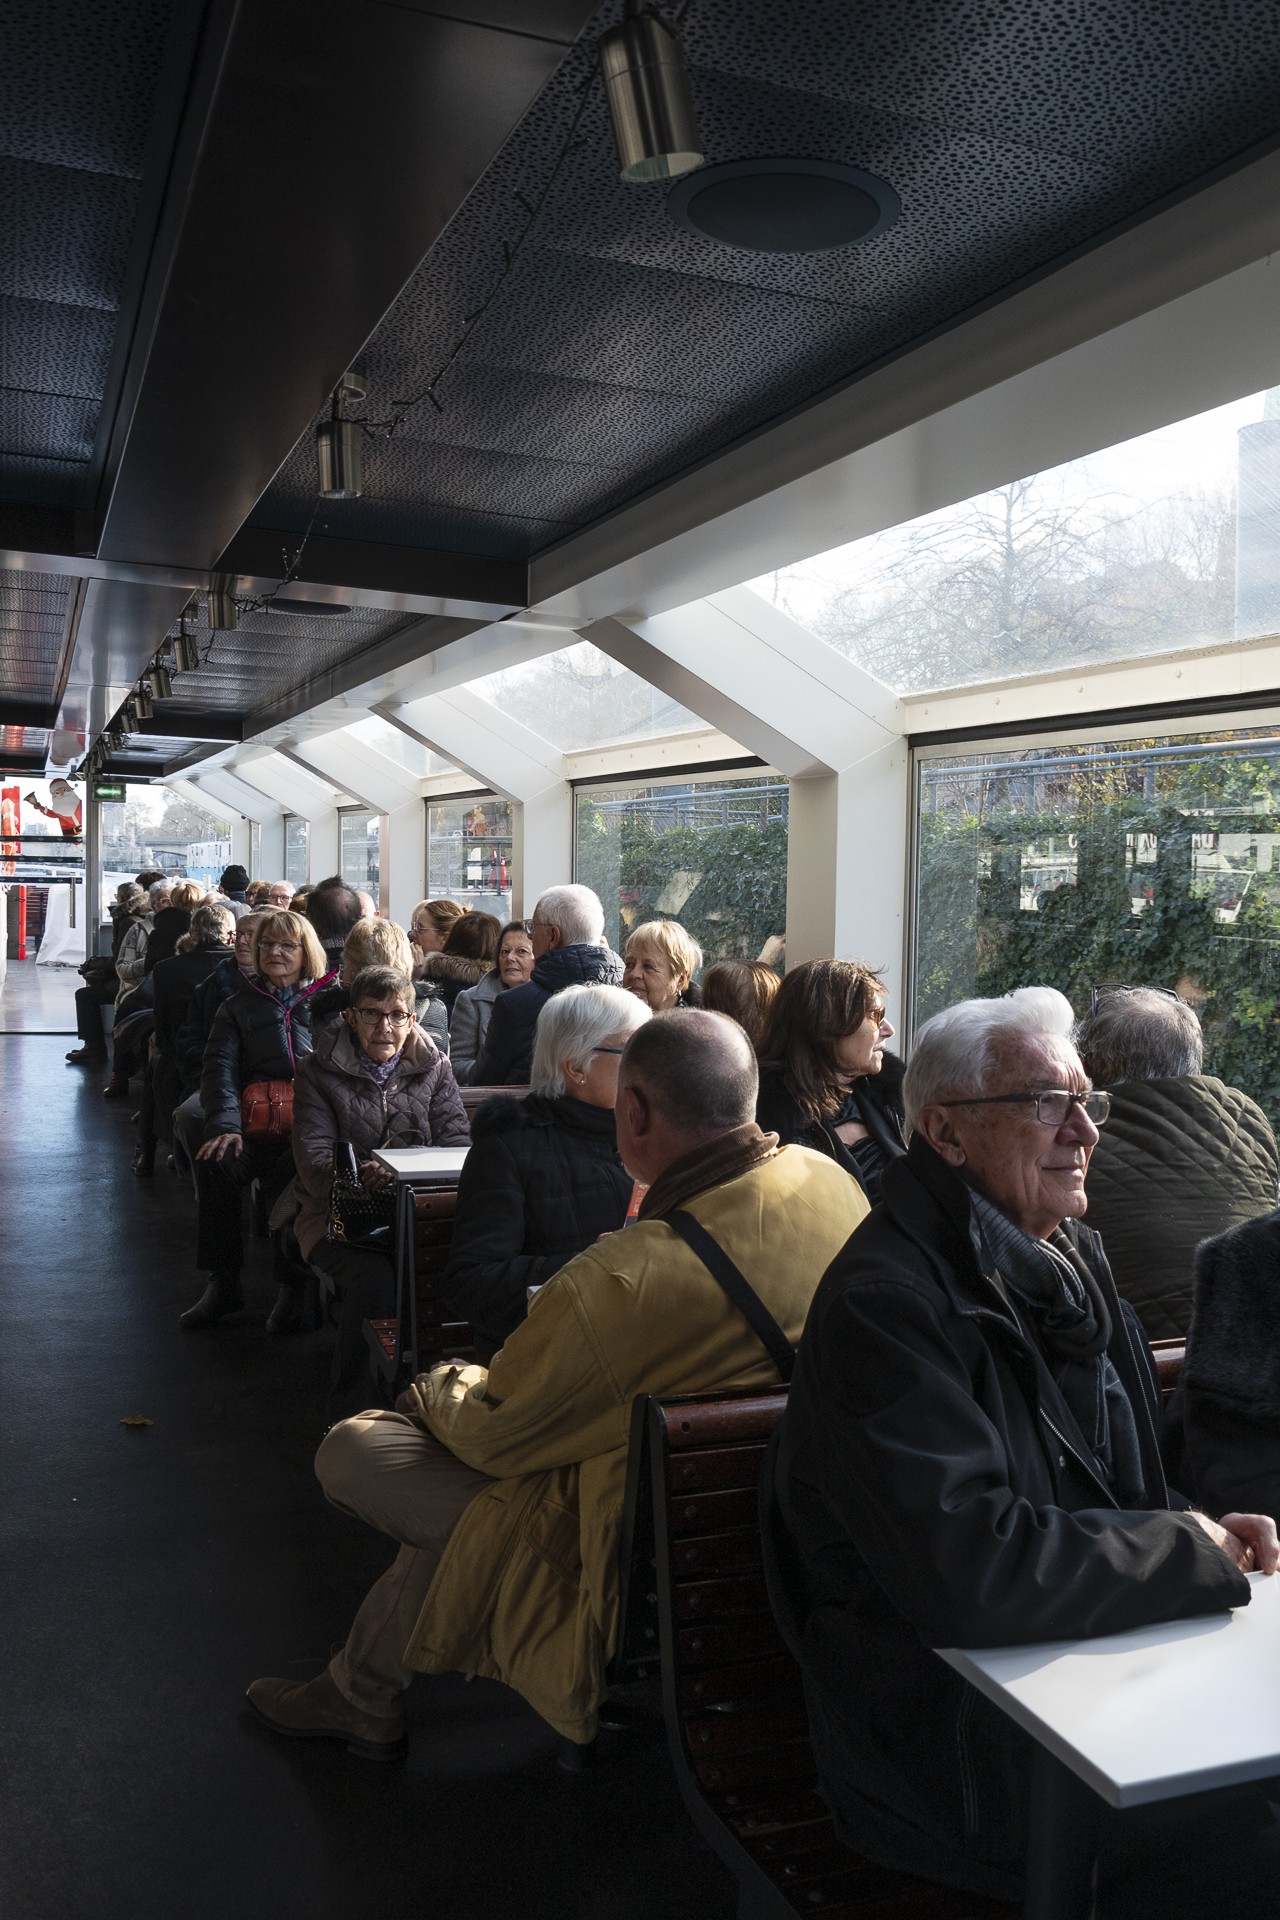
<point>527,1590</point>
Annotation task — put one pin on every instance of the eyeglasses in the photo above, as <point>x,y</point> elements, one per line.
<point>279,946</point>
<point>1052,1108</point>
<point>1109,986</point>
<point>608,1049</point>
<point>374,1017</point>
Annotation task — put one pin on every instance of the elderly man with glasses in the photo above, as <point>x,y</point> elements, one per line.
<point>970,1458</point>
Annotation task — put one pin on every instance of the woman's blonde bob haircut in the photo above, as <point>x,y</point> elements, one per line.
<point>681,952</point>
<point>375,943</point>
<point>291,926</point>
<point>441,913</point>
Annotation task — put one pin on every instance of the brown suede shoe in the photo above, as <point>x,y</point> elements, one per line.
<point>317,1711</point>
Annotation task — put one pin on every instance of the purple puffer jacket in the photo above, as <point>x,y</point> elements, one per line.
<point>333,1099</point>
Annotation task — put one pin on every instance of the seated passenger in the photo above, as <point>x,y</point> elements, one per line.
<point>969,1455</point>
<point>469,952</point>
<point>660,962</point>
<point>102,983</point>
<point>506,1487</point>
<point>567,936</point>
<point>469,1020</point>
<point>543,1178</point>
<point>131,957</point>
<point>743,989</point>
<point>381,943</point>
<point>234,882</point>
<point>259,1034</point>
<point>279,895</point>
<point>171,923</point>
<point>825,1078</point>
<point>333,908</point>
<point>201,951</point>
<point>227,978</point>
<point>430,922</point>
<point>375,1080</point>
<point>1183,1157</point>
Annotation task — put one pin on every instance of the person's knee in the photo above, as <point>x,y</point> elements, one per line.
<point>343,1460</point>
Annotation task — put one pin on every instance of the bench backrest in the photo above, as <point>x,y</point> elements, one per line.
<point>473,1097</point>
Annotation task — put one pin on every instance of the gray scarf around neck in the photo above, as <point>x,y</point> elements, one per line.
<point>1060,1300</point>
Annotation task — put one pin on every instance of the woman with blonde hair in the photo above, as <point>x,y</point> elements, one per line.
<point>381,943</point>
<point>661,960</point>
<point>258,1037</point>
<point>469,951</point>
<point>825,1079</point>
<point>430,924</point>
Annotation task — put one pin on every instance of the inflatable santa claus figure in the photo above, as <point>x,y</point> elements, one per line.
<point>66,809</point>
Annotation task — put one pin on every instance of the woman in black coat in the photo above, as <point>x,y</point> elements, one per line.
<point>258,1035</point>
<point>825,1079</point>
<point>543,1178</point>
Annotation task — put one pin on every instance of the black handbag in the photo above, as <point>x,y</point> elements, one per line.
<point>358,1217</point>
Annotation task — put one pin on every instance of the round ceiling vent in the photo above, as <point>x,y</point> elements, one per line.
<point>784,206</point>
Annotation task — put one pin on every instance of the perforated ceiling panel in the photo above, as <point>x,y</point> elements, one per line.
<point>33,618</point>
<point>23,747</point>
<point>267,655</point>
<point>623,348</point>
<point>77,88</point>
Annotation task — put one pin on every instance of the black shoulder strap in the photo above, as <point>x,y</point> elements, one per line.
<point>738,1287</point>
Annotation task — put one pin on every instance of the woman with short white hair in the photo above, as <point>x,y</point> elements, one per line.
<point>543,1178</point>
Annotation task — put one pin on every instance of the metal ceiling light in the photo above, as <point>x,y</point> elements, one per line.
<point>142,705</point>
<point>654,125</point>
<point>220,605</point>
<point>186,654</point>
<point>340,445</point>
<point>129,716</point>
<point>161,684</point>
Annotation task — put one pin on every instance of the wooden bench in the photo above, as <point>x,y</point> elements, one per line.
<point>694,1609</point>
<point>1169,1356</point>
<point>473,1097</point>
<point>424,1329</point>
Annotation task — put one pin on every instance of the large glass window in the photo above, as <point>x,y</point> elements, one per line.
<point>296,849</point>
<point>360,836</point>
<point>1163,542</point>
<point>1151,862</point>
<point>469,853</point>
<point>709,853</point>
<point>580,697</point>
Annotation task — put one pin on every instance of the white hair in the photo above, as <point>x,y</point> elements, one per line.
<point>576,911</point>
<point>572,1024</point>
<point>955,1051</point>
<point>157,888</point>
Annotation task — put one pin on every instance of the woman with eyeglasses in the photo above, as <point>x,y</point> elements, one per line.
<point>373,1079</point>
<point>469,1020</point>
<point>258,1035</point>
<point>543,1178</point>
<point>826,1080</point>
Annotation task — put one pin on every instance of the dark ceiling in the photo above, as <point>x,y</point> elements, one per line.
<point>196,242</point>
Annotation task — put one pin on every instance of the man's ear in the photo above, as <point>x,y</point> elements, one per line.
<point>636,1110</point>
<point>938,1127</point>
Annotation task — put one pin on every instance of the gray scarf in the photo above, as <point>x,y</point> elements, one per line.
<point>1060,1299</point>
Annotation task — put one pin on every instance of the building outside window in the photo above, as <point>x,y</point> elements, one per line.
<point>469,853</point>
<point>1139,861</point>
<point>360,833</point>
<point>710,853</point>
<point>297,855</point>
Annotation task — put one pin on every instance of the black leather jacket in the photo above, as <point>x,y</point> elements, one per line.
<point>930,1488</point>
<point>254,1037</point>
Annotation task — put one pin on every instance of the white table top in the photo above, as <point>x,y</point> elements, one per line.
<point>1155,1713</point>
<point>422,1164</point>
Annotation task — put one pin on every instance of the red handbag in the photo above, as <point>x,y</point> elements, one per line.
<point>266,1110</point>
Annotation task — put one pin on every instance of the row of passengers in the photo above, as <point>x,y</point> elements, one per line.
<point>918,1499</point>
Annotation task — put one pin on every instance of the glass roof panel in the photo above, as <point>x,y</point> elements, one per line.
<point>579,697</point>
<point>400,747</point>
<point>1168,541</point>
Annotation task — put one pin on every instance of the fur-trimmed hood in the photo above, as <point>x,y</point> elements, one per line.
<point>452,966</point>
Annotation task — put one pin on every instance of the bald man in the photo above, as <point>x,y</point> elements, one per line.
<point>505,1487</point>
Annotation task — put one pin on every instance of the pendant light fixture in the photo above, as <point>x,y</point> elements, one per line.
<point>220,604</point>
<point>654,125</point>
<point>142,703</point>
<point>186,654</point>
<point>161,684</point>
<point>340,444</point>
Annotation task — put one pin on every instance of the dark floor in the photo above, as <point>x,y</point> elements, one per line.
<point>148,1576</point>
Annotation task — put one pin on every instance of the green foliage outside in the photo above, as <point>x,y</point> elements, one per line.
<point>739,899</point>
<point>1193,840</point>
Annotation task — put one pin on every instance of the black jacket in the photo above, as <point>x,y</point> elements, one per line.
<point>162,941</point>
<point>197,1023</point>
<point>878,1098</point>
<point>931,1489</point>
<point>1228,1400</point>
<point>507,1053</point>
<point>254,1037</point>
<point>541,1182</point>
<point>173,982</point>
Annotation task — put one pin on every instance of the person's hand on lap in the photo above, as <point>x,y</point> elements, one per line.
<point>220,1144</point>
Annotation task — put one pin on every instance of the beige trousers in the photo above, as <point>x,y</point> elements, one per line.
<point>386,1470</point>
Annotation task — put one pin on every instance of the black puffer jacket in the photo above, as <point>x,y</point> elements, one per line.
<point>507,1053</point>
<point>930,1488</point>
<point>878,1099</point>
<point>162,942</point>
<point>541,1182</point>
<point>1178,1161</point>
<point>254,1037</point>
<point>174,983</point>
<point>197,1024</point>
<point>1228,1400</point>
